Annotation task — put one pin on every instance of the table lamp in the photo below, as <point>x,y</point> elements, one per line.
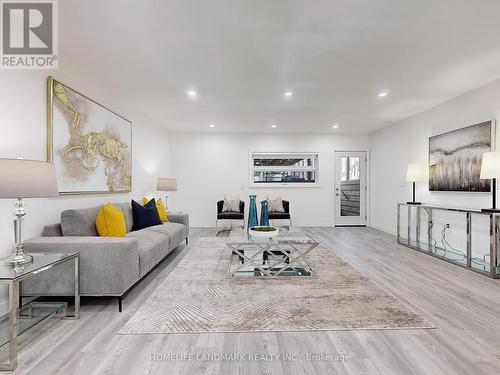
<point>490,168</point>
<point>20,179</point>
<point>415,173</point>
<point>166,184</point>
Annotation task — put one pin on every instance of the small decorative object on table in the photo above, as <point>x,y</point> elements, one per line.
<point>264,214</point>
<point>263,232</point>
<point>252,212</point>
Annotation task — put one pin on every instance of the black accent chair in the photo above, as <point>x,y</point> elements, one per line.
<point>229,215</point>
<point>282,215</point>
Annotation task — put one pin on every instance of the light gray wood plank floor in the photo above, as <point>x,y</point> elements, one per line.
<point>464,306</point>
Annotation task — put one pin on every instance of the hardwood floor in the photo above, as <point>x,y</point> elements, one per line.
<point>464,306</point>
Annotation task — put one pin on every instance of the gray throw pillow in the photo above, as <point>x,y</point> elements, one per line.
<point>275,205</point>
<point>231,205</point>
<point>79,222</point>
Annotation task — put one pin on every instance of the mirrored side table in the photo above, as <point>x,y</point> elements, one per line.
<point>20,319</point>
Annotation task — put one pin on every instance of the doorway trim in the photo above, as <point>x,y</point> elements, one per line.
<point>367,183</point>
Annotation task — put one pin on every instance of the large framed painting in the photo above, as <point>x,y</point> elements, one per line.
<point>90,145</point>
<point>455,158</point>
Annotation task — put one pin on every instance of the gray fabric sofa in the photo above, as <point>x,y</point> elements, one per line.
<point>109,266</point>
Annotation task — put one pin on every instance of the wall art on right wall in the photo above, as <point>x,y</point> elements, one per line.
<point>455,158</point>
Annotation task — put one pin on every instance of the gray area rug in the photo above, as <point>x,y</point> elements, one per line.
<point>198,297</point>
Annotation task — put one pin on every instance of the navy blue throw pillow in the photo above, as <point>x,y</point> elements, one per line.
<point>145,216</point>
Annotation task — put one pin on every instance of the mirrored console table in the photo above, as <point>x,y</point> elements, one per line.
<point>422,231</point>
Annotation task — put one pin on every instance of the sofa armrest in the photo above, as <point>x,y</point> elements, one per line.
<point>180,218</point>
<point>108,265</point>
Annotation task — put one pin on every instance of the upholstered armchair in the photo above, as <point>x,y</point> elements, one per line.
<point>229,215</point>
<point>282,215</point>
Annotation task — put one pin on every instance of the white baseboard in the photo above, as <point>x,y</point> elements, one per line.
<point>383,229</point>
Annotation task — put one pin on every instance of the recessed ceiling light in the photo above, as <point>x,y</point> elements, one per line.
<point>274,126</point>
<point>383,94</point>
<point>192,94</point>
<point>288,94</point>
<point>335,126</point>
<point>211,126</point>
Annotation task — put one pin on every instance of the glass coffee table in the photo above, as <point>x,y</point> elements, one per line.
<point>283,255</point>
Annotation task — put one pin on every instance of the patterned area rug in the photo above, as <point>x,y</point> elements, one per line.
<point>198,297</point>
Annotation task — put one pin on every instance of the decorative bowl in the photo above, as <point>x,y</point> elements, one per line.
<point>263,232</point>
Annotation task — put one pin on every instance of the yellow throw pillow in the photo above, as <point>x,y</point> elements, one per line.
<point>110,221</point>
<point>160,207</point>
<point>162,210</point>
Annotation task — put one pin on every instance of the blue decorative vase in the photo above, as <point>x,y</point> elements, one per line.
<point>264,214</point>
<point>252,212</point>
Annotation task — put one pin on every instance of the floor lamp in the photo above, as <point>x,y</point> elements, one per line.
<point>166,184</point>
<point>490,168</point>
<point>25,179</point>
<point>415,173</point>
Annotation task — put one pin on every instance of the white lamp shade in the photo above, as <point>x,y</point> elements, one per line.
<point>490,165</point>
<point>415,173</point>
<point>20,178</point>
<point>166,184</point>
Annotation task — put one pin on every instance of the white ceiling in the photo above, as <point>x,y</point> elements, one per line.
<point>242,55</point>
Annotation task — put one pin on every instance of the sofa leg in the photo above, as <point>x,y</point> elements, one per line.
<point>187,241</point>
<point>120,304</point>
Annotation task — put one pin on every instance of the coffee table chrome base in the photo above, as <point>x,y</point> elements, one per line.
<point>291,259</point>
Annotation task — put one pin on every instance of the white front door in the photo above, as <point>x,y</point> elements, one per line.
<point>350,188</point>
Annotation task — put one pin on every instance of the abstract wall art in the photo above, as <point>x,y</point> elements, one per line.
<point>455,158</point>
<point>90,145</point>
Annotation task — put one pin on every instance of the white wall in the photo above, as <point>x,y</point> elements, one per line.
<point>407,141</point>
<point>210,165</point>
<point>23,106</point>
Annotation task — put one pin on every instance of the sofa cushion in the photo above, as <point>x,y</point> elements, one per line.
<point>278,215</point>
<point>153,247</point>
<point>79,222</point>
<point>110,221</point>
<point>275,205</point>
<point>52,230</point>
<point>231,205</point>
<point>174,231</point>
<point>127,211</point>
<point>230,216</point>
<point>160,207</point>
<point>145,216</point>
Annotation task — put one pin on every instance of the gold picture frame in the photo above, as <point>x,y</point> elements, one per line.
<point>90,145</point>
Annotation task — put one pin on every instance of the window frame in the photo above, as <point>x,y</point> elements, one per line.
<point>285,154</point>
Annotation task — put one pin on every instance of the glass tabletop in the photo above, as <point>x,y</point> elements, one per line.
<point>40,261</point>
<point>292,234</point>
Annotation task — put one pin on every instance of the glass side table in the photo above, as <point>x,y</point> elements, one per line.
<point>21,319</point>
